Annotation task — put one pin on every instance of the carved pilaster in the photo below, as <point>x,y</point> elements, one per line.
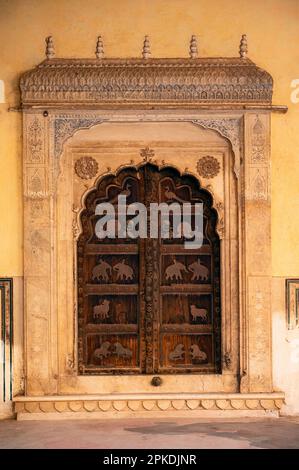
<point>258,251</point>
<point>37,255</point>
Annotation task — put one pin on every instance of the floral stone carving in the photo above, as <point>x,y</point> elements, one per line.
<point>208,167</point>
<point>86,167</point>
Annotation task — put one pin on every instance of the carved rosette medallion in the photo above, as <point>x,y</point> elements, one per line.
<point>86,167</point>
<point>208,167</point>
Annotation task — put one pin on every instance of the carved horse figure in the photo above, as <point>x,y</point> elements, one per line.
<point>101,310</point>
<point>199,271</point>
<point>101,271</point>
<point>124,271</point>
<point>174,271</point>
<point>177,353</point>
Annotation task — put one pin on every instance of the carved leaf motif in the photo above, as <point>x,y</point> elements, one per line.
<point>229,128</point>
<point>258,142</point>
<point>259,187</point>
<point>36,184</point>
<point>65,127</point>
<point>35,143</point>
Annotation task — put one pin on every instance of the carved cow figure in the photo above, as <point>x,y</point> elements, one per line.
<point>200,313</point>
<point>174,271</point>
<point>199,271</point>
<point>124,271</point>
<point>177,353</point>
<point>101,271</point>
<point>197,353</point>
<point>101,311</point>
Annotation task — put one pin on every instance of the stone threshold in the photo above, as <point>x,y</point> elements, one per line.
<point>149,405</point>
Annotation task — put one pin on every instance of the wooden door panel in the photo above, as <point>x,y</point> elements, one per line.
<point>112,351</point>
<point>187,309</point>
<point>112,309</point>
<point>109,287</point>
<point>187,352</point>
<point>186,269</point>
<point>149,305</point>
<point>189,317</point>
<point>112,269</point>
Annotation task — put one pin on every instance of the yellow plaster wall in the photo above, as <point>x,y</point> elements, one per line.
<point>273,32</point>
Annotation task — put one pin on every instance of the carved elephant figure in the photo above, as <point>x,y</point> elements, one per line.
<point>124,271</point>
<point>101,311</point>
<point>199,271</point>
<point>174,271</point>
<point>101,271</point>
<point>200,313</point>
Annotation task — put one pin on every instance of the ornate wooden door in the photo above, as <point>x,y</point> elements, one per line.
<point>148,305</point>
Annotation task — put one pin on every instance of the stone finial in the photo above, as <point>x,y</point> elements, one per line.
<point>193,47</point>
<point>243,47</point>
<point>99,48</point>
<point>146,50</point>
<point>50,51</point>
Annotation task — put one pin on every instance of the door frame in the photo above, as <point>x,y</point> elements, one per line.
<point>246,286</point>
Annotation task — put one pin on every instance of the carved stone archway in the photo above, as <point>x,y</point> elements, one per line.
<point>71,109</point>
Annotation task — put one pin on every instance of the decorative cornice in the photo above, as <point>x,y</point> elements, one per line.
<point>158,82</point>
